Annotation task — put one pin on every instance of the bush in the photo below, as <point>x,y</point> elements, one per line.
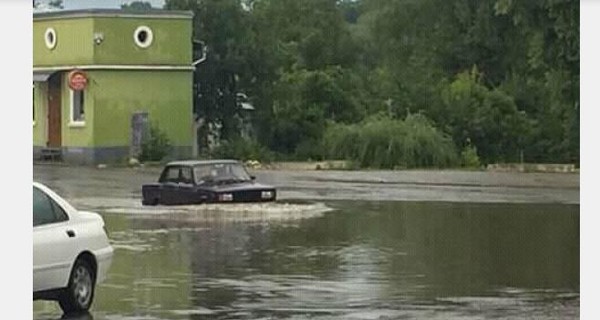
<point>469,157</point>
<point>487,118</point>
<point>155,145</point>
<point>242,149</point>
<point>308,150</point>
<point>383,142</point>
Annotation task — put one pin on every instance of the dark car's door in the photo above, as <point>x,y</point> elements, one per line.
<point>178,186</point>
<point>187,191</point>
<point>169,185</point>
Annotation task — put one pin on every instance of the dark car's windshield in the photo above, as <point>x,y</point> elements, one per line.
<point>220,172</point>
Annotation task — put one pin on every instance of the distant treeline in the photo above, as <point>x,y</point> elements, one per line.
<point>399,83</point>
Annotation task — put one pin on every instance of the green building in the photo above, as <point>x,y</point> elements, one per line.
<point>101,77</point>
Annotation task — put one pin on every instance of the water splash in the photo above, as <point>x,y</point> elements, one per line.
<point>230,212</point>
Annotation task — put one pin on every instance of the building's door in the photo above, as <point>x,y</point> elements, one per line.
<point>54,114</point>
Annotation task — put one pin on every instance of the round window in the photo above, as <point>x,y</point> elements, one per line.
<point>143,37</point>
<point>50,38</point>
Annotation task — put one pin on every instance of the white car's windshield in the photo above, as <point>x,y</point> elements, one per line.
<point>220,172</point>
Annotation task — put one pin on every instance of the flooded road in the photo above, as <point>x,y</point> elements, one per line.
<point>326,258</point>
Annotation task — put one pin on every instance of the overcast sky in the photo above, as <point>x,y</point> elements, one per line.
<point>96,4</point>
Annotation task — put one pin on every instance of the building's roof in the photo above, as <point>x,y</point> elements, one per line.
<point>87,13</point>
<point>192,163</point>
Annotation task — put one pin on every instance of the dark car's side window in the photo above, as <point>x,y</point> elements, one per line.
<point>177,175</point>
<point>202,174</point>
<point>185,176</point>
<point>45,210</point>
<point>170,175</point>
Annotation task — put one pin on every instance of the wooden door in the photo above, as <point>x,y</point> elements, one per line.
<point>54,111</point>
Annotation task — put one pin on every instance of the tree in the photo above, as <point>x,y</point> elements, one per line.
<point>310,65</point>
<point>223,26</point>
<point>488,119</point>
<point>136,6</point>
<point>58,4</point>
<point>528,50</point>
<point>51,5</point>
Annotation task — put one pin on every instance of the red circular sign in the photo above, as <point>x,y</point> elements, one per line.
<point>77,80</point>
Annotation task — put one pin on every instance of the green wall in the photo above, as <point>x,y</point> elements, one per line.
<point>39,102</point>
<point>72,135</point>
<point>171,45</point>
<point>112,95</point>
<point>76,135</point>
<point>172,42</point>
<point>165,95</point>
<point>74,42</point>
<point>111,98</point>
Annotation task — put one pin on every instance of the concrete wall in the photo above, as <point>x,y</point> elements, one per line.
<point>533,167</point>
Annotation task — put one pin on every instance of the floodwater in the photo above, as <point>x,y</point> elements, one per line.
<point>331,258</point>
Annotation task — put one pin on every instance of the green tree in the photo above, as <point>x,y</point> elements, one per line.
<point>311,65</point>
<point>529,50</point>
<point>136,6</point>
<point>489,119</point>
<point>58,4</point>
<point>223,26</point>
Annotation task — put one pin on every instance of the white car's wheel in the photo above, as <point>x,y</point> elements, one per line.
<point>80,292</point>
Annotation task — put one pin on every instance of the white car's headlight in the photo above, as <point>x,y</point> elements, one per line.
<point>266,194</point>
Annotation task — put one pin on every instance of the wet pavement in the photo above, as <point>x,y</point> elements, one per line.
<point>338,245</point>
<point>410,185</point>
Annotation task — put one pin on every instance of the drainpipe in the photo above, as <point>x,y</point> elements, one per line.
<point>198,122</point>
<point>204,50</point>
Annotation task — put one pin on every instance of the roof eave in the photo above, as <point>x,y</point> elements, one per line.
<point>103,13</point>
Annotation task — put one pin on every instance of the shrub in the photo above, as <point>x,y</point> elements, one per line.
<point>242,149</point>
<point>469,157</point>
<point>383,142</point>
<point>155,145</point>
<point>309,150</point>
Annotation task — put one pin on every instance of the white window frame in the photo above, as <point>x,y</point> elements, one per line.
<point>149,37</point>
<point>50,44</point>
<point>72,121</point>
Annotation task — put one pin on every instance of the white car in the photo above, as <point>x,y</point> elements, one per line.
<point>71,252</point>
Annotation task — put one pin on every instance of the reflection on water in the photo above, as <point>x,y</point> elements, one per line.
<point>365,260</point>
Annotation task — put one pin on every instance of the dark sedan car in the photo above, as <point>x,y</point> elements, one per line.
<point>193,182</point>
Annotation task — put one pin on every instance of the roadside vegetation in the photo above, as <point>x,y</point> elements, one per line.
<point>386,84</point>
<point>386,143</point>
<point>155,145</point>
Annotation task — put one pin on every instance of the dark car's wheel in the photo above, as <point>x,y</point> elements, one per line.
<point>79,294</point>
